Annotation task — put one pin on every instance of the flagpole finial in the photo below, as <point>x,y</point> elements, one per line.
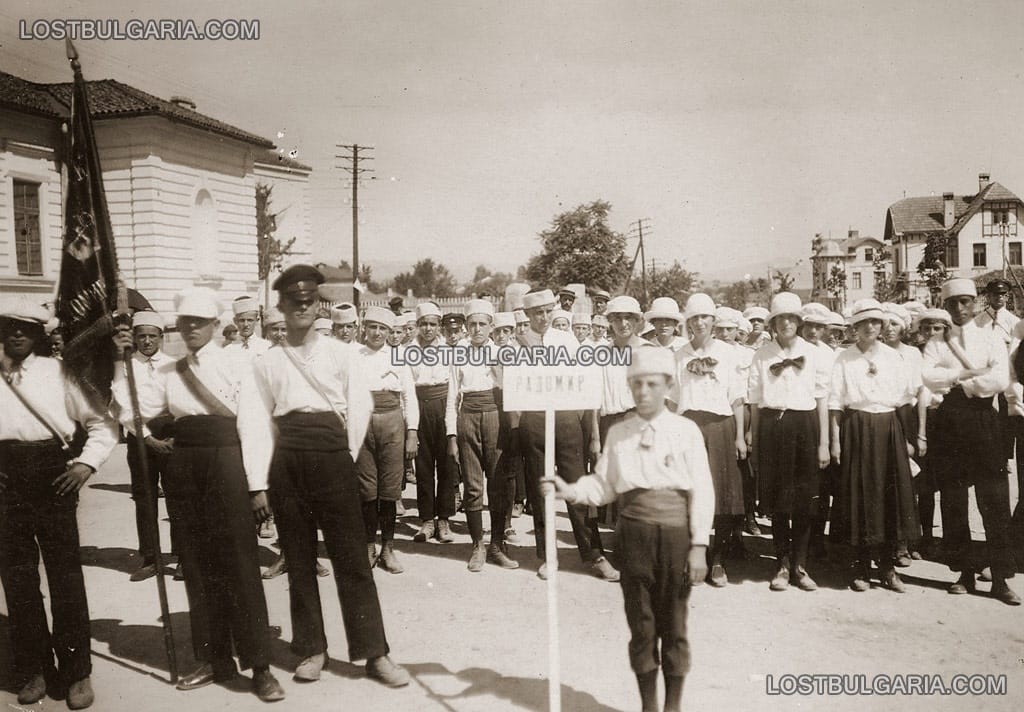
<point>72,55</point>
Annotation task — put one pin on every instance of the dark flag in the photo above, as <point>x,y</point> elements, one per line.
<point>87,294</point>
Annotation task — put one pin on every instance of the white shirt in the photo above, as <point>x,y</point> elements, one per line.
<point>145,369</point>
<point>874,381</point>
<point>941,369</point>
<point>677,460</point>
<point>615,394</point>
<point>470,378</point>
<point>252,347</point>
<point>424,375</point>
<point>913,362</point>
<point>715,392</point>
<point>1001,322</point>
<point>41,381</point>
<point>382,375</point>
<point>280,388</point>
<point>793,388</point>
<point>675,344</point>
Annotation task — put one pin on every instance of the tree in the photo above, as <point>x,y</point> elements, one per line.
<point>487,282</point>
<point>676,282</point>
<point>836,286</point>
<point>271,250</point>
<point>426,279</point>
<point>579,247</point>
<point>932,267</point>
<point>887,289</point>
<point>742,293</point>
<point>785,280</point>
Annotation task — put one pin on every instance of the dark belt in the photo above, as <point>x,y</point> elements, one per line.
<point>206,431</point>
<point>435,391</point>
<point>658,506</point>
<point>479,401</point>
<point>31,455</point>
<point>957,398</point>
<point>322,432</point>
<point>386,401</point>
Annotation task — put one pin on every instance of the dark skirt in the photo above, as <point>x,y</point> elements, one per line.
<point>788,478</point>
<point>874,499</point>
<point>719,433</point>
<point>907,415</point>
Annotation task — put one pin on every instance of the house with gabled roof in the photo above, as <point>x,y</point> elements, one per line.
<point>861,259</point>
<point>972,234</point>
<point>180,187</point>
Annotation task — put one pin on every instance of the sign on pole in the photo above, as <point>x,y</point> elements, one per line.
<point>550,389</point>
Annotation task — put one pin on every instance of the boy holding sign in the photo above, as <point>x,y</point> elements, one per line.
<point>655,466</point>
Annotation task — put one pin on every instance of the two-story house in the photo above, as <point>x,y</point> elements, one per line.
<point>845,270</point>
<point>180,185</point>
<point>973,234</point>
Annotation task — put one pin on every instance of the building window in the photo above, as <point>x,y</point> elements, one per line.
<point>856,280</point>
<point>999,219</point>
<point>1015,254</point>
<point>204,235</point>
<point>952,253</point>
<point>27,239</point>
<point>869,254</point>
<point>980,257</point>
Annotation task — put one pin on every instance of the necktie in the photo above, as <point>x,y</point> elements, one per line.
<point>647,437</point>
<point>245,344</point>
<point>150,365</point>
<point>778,367</point>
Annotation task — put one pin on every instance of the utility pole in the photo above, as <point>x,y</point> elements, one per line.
<point>641,225</point>
<point>353,157</point>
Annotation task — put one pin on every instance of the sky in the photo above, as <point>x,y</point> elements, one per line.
<point>740,129</point>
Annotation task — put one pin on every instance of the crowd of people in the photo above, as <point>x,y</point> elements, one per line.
<point>838,430</point>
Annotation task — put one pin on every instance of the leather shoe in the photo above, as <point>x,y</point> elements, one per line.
<point>266,686</point>
<point>322,570</point>
<point>205,675</point>
<point>511,535</point>
<point>497,555</point>
<point>781,580</point>
<point>444,532</point>
<point>32,691</point>
<point>802,580</point>
<point>859,584</point>
<point>277,568</point>
<point>147,570</point>
<point>1002,592</point>
<point>385,671</point>
<point>308,670</point>
<point>717,576</point>
<point>750,526</point>
<point>80,694</point>
<point>179,575</point>
<point>477,557</point>
<point>603,570</point>
<point>425,533</point>
<point>542,572</point>
<point>891,580</point>
<point>986,574</point>
<point>517,510</point>
<point>964,584</point>
<point>389,560</point>
<point>903,560</point>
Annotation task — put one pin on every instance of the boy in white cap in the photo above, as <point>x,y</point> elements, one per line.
<point>581,324</point>
<point>664,316</point>
<point>323,326</point>
<point>435,478</point>
<point>759,334</point>
<point>390,439</point>
<point>598,329</point>
<point>345,323</point>
<point>473,422</point>
<point>655,466</point>
<point>788,395</point>
<point>148,336</point>
<point>570,449</point>
<point>306,422</point>
<point>968,369</point>
<point>709,390</point>
<point>41,474</point>
<point>561,319</point>
<point>274,327</point>
<point>874,497</point>
<point>247,317</point>
<point>211,498</point>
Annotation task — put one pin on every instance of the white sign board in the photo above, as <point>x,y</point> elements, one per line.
<point>552,387</point>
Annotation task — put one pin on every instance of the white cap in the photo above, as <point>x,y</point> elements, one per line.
<point>427,309</point>
<point>272,316</point>
<point>864,309</point>
<point>667,308</point>
<point>624,305</point>
<point>742,323</point>
<point>322,323</point>
<point>836,320</point>
<point>647,360</point>
<point>698,304</point>
<point>344,313</point>
<point>581,318</point>
<point>405,319</point>
<point>782,303</point>
<point>479,306</point>
<point>503,319</point>
<point>538,299</point>
<point>599,320</point>
<point>379,315</point>
<point>959,287</point>
<point>897,313</point>
<point>22,308</point>
<point>937,315</point>
<point>520,316</point>
<point>815,313</point>
<point>244,304</point>
<point>727,317</point>
<point>561,314</point>
<point>198,302</point>
<point>752,313</point>
<point>147,318</point>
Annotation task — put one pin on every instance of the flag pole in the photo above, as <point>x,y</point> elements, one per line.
<point>551,560</point>
<point>126,357</point>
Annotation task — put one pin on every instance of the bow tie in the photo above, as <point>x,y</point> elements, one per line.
<point>647,437</point>
<point>780,366</point>
<point>702,366</point>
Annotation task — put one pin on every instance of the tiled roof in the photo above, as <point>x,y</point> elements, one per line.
<point>110,98</point>
<point>912,215</point>
<point>272,158</point>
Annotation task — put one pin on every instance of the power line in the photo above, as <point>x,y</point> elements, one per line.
<point>353,168</point>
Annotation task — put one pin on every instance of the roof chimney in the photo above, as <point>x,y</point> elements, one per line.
<point>184,102</point>
<point>948,212</point>
<point>853,234</point>
<point>982,181</point>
